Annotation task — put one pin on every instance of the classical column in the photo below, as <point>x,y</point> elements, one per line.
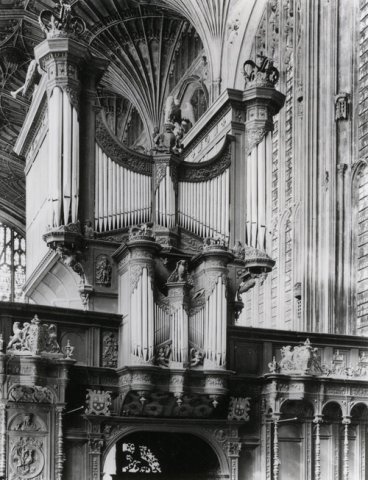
<point>276,458</point>
<point>59,443</point>
<point>3,440</point>
<point>317,448</point>
<point>345,467</point>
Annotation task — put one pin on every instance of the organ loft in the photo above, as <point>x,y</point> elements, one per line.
<point>183,239</point>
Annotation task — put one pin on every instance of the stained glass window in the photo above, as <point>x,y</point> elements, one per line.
<point>12,264</point>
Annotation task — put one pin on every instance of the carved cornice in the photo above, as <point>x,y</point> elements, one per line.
<point>119,153</point>
<point>201,172</point>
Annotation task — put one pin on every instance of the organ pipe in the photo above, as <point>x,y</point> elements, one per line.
<point>215,325</point>
<point>196,328</point>
<point>256,208</point>
<point>179,335</point>
<point>64,159</point>
<point>141,314</point>
<point>203,207</point>
<point>122,197</point>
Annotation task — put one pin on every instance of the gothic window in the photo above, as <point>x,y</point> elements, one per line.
<point>199,103</point>
<point>12,264</point>
<point>361,192</point>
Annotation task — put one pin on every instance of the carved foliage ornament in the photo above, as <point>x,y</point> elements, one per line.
<point>119,154</point>
<point>26,459</point>
<point>201,172</point>
<point>61,22</point>
<point>35,394</point>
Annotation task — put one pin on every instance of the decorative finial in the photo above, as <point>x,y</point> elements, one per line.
<point>61,22</point>
<point>68,350</point>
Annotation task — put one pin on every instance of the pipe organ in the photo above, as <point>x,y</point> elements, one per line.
<point>142,315</point>
<point>162,324</point>
<point>215,325</point>
<point>258,162</point>
<point>64,159</point>
<point>179,335</point>
<point>165,200</point>
<point>196,328</point>
<point>203,207</point>
<point>122,197</point>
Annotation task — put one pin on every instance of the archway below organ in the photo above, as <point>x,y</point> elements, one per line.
<point>166,455</point>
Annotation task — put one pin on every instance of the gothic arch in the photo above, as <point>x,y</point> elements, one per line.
<point>201,433</point>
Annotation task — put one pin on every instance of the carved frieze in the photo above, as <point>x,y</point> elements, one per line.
<point>28,394</point>
<point>118,153</point>
<point>201,172</point>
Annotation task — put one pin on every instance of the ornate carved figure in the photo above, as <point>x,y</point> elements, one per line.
<point>27,424</point>
<point>180,274</point>
<point>238,409</point>
<point>238,250</point>
<point>196,357</point>
<point>248,282</point>
<point>98,402</point>
<point>88,229</point>
<point>34,338</point>
<point>26,459</point>
<point>143,231</point>
<point>61,23</point>
<point>215,242</point>
<point>260,73</point>
<point>110,351</point>
<point>163,354</point>
<point>103,271</point>
<point>71,258</point>
<point>302,360</point>
<point>36,394</point>
<point>32,78</point>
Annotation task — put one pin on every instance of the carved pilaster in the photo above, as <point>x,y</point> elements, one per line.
<point>2,440</point>
<point>94,449</point>
<point>59,443</point>
<point>276,458</point>
<point>233,450</point>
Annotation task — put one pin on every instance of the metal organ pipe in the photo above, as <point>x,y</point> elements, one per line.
<point>141,315</point>
<point>256,209</point>
<point>203,207</point>
<point>122,197</point>
<point>197,328</point>
<point>64,159</point>
<point>215,325</point>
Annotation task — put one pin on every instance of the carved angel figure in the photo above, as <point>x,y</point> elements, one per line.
<point>32,77</point>
<point>24,459</point>
<point>163,356</point>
